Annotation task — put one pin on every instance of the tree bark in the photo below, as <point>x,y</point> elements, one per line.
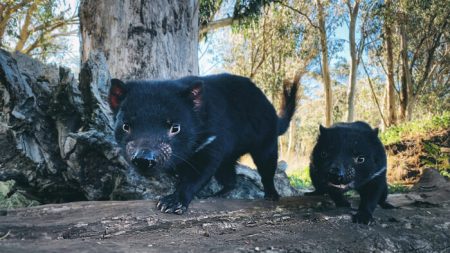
<point>142,39</point>
<point>353,11</point>
<point>56,137</point>
<point>390,85</point>
<point>55,132</point>
<point>325,67</point>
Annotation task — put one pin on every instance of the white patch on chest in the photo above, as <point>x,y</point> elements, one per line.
<point>206,143</point>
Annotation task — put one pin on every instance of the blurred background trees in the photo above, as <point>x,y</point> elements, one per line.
<point>35,27</point>
<point>384,62</point>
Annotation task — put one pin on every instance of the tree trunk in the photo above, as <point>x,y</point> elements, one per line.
<point>354,61</point>
<point>390,85</point>
<point>142,39</point>
<point>406,89</point>
<point>325,68</point>
<point>56,133</point>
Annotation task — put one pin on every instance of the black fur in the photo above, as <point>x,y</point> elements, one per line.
<point>219,118</point>
<point>351,156</point>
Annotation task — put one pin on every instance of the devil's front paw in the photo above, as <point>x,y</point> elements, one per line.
<point>362,218</point>
<point>172,204</point>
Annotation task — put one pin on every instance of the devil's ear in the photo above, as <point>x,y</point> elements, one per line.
<point>116,94</point>
<point>322,129</point>
<point>195,92</point>
<point>375,131</point>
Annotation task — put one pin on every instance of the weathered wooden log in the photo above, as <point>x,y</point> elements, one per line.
<point>216,225</point>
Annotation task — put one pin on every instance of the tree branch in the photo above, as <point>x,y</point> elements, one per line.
<point>217,24</point>
<point>24,31</point>
<point>430,58</point>
<point>57,22</point>
<point>418,47</point>
<point>6,13</point>
<point>373,93</point>
<point>298,12</point>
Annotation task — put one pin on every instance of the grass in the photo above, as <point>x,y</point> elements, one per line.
<point>436,158</point>
<point>300,179</point>
<point>433,155</point>
<point>414,128</point>
<point>398,188</point>
<point>16,200</point>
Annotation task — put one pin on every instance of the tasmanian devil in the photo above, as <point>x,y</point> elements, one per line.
<point>198,127</point>
<point>351,156</point>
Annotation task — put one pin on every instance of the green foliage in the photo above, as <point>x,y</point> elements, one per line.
<point>300,179</point>
<point>207,10</point>
<point>36,28</point>
<point>398,188</point>
<point>397,133</point>
<point>249,8</point>
<point>433,155</point>
<point>16,200</point>
<point>436,158</point>
<point>351,194</point>
<point>246,11</point>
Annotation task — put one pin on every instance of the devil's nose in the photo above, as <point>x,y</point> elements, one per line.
<point>337,172</point>
<point>144,159</point>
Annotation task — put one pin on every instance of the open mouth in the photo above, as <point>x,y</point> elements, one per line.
<point>344,187</point>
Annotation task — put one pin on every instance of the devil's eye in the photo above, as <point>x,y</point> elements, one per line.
<point>359,159</point>
<point>126,127</point>
<point>323,154</point>
<point>175,128</point>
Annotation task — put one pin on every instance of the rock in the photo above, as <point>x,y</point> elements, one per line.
<point>56,137</point>
<point>432,190</point>
<point>249,186</point>
<point>430,180</point>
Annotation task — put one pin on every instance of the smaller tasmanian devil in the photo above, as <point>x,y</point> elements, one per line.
<point>351,156</point>
<point>198,127</point>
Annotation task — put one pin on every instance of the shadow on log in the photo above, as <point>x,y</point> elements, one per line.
<point>56,137</point>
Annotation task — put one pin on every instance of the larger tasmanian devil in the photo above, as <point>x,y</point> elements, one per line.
<point>198,127</point>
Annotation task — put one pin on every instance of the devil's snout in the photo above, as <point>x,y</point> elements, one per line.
<point>144,158</point>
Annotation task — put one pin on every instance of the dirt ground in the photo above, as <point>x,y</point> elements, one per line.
<point>298,224</point>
